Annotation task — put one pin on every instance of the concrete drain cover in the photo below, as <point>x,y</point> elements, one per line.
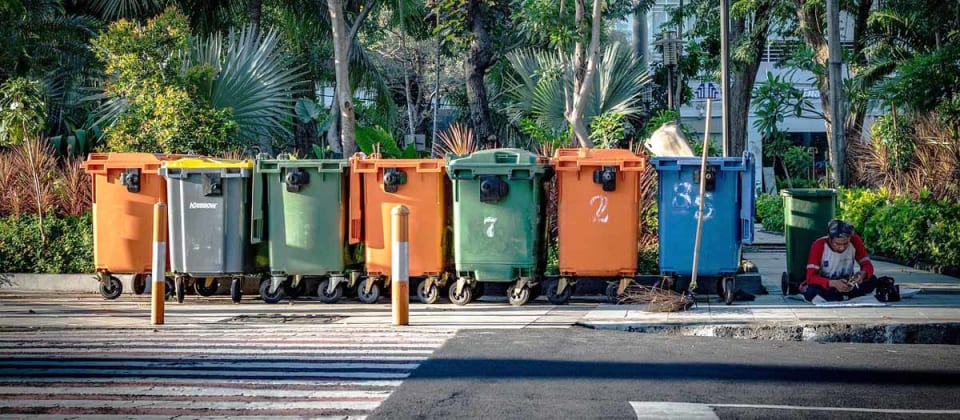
<point>284,319</point>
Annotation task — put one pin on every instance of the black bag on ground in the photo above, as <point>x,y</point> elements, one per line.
<point>887,291</point>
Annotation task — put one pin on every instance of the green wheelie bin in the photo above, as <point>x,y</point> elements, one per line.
<point>806,213</point>
<point>496,222</point>
<point>299,210</point>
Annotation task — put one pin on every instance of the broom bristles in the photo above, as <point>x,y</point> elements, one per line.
<point>656,299</point>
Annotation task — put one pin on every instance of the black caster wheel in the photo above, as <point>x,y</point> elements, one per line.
<point>292,291</point>
<point>236,290</point>
<point>328,296</point>
<point>139,283</point>
<point>465,296</point>
<point>111,289</point>
<point>557,298</point>
<point>180,288</point>
<point>268,297</point>
<point>428,295</point>
<point>518,294</point>
<point>729,291</point>
<point>206,287</point>
<point>169,288</point>
<point>370,296</point>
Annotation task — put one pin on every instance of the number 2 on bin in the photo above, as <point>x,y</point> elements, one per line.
<point>490,222</point>
<point>600,201</point>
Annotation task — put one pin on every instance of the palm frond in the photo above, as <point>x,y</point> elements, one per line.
<point>131,9</point>
<point>254,78</point>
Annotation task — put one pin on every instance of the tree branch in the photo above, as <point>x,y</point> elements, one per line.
<point>356,23</point>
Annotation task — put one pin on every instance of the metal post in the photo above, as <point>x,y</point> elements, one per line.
<point>725,74</point>
<point>158,290</point>
<point>838,143</point>
<point>400,267</point>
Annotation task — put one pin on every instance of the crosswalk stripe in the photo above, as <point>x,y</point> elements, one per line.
<point>199,372</point>
<point>161,417</point>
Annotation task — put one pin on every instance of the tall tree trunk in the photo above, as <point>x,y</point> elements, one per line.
<point>254,10</point>
<point>812,30</point>
<point>640,37</point>
<point>342,45</point>
<point>744,74</point>
<point>575,116</point>
<point>333,132</point>
<point>479,58</point>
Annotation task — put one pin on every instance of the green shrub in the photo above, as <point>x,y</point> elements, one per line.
<point>905,229</point>
<point>69,246</point>
<point>770,212</point>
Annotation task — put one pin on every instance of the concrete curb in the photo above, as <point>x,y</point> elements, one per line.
<point>57,282</point>
<point>821,332</point>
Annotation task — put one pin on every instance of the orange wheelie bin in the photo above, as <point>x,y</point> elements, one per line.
<point>125,188</point>
<point>598,219</point>
<point>376,187</point>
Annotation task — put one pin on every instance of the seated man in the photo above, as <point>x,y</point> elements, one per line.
<point>830,267</point>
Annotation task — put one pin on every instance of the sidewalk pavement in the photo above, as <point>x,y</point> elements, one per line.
<point>937,302</point>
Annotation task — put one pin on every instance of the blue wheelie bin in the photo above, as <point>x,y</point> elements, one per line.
<point>727,222</point>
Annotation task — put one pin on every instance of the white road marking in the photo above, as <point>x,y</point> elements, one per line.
<point>683,410</point>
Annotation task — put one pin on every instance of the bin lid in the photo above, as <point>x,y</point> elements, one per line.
<point>573,159</point>
<point>99,163</point>
<point>497,162</point>
<point>808,192</point>
<point>671,163</point>
<point>187,163</point>
<point>371,164</point>
<point>321,165</point>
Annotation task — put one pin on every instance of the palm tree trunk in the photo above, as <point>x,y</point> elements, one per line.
<point>479,58</point>
<point>254,10</point>
<point>341,62</point>
<point>745,75</point>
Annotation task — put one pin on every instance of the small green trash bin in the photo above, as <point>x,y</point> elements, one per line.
<point>496,221</point>
<point>806,213</point>
<point>299,210</point>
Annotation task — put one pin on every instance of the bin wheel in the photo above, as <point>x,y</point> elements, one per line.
<point>429,295</point>
<point>465,296</point>
<point>611,293</point>
<point>373,295</point>
<point>236,290</point>
<point>292,291</point>
<point>169,288</point>
<point>139,283</point>
<point>111,289</point>
<point>203,289</point>
<point>325,295</point>
<point>518,294</point>
<point>557,298</point>
<point>268,297</point>
<point>180,288</point>
<point>785,284</point>
<point>729,293</point>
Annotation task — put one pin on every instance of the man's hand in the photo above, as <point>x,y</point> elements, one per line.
<point>840,285</point>
<point>857,278</point>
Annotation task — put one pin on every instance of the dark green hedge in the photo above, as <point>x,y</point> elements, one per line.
<point>68,249</point>
<point>905,229</point>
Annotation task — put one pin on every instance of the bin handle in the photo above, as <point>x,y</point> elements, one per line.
<point>667,164</point>
<point>355,228</point>
<point>747,198</point>
<point>256,209</point>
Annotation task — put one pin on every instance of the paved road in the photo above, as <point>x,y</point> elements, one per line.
<point>581,373</point>
<point>219,371</point>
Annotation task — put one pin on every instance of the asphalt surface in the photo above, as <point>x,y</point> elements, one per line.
<point>583,373</point>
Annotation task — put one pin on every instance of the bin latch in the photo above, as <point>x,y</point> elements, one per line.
<point>295,179</point>
<point>492,188</point>
<point>212,186</point>
<point>710,179</point>
<point>606,176</point>
<point>393,178</point>
<point>131,179</point>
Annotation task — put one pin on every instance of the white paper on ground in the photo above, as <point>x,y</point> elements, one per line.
<point>905,293</point>
<point>868,300</point>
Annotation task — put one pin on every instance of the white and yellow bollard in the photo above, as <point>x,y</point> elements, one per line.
<point>400,279</point>
<point>158,291</point>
